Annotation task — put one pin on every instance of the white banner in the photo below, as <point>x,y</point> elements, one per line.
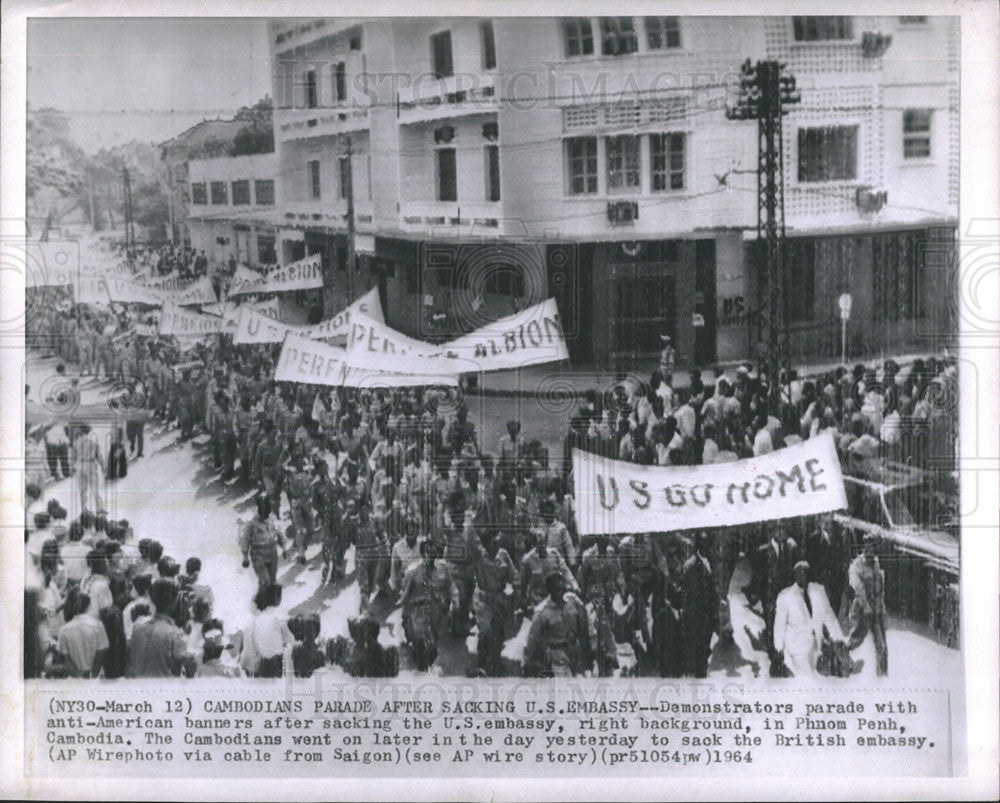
<point>91,289</point>
<point>529,337</point>
<point>315,363</point>
<point>128,291</point>
<point>615,497</point>
<point>254,328</point>
<point>201,292</point>
<point>185,323</point>
<point>231,311</point>
<point>306,274</point>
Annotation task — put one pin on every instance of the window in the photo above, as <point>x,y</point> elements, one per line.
<point>489,45</point>
<point>199,195</point>
<point>344,163</point>
<point>314,185</point>
<point>220,194</point>
<point>828,154</point>
<point>623,163</point>
<point>618,36</point>
<point>492,172</point>
<point>355,41</point>
<point>340,80</point>
<point>916,133</point>
<point>447,178</point>
<point>581,164</point>
<point>662,32</point>
<point>311,99</point>
<point>241,193</point>
<point>264,191</point>
<point>441,54</point>
<point>578,36</point>
<point>822,29</point>
<point>666,153</point>
<point>266,254</point>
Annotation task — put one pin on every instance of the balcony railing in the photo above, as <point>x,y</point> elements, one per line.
<point>426,215</point>
<point>454,96</point>
<point>319,122</point>
<point>330,213</point>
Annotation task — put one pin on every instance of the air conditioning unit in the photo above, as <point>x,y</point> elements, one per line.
<point>622,213</point>
<point>874,45</point>
<point>869,200</point>
<point>444,134</point>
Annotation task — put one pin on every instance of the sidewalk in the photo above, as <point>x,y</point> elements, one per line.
<point>564,380</point>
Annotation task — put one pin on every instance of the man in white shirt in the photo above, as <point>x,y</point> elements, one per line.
<point>57,450</point>
<point>801,612</point>
<point>762,442</point>
<point>685,415</point>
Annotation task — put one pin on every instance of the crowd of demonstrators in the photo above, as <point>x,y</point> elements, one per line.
<point>465,538</point>
<point>100,604</point>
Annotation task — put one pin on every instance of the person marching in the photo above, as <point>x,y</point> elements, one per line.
<point>496,578</point>
<point>558,641</point>
<point>259,542</point>
<point>300,498</point>
<point>428,593</point>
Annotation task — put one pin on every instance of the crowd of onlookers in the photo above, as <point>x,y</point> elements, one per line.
<point>464,537</point>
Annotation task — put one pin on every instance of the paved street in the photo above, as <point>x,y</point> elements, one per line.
<point>174,483</point>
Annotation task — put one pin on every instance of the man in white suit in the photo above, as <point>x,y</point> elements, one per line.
<point>802,610</point>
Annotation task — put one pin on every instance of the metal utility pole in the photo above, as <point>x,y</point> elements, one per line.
<point>129,222</point>
<point>351,251</point>
<point>765,90</point>
<point>90,198</point>
<point>170,203</point>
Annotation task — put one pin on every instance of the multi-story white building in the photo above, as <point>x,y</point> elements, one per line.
<point>495,162</point>
<point>232,208</point>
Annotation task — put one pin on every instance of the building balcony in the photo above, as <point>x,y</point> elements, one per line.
<point>322,213</point>
<point>452,218</point>
<point>455,96</point>
<point>328,121</point>
<point>301,33</point>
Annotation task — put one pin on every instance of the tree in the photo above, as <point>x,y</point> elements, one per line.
<point>150,209</point>
<point>257,136</point>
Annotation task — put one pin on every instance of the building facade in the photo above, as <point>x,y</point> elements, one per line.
<point>232,208</point>
<point>492,163</point>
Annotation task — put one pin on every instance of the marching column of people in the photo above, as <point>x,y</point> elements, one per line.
<point>465,540</point>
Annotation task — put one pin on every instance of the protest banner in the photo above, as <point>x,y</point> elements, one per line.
<point>316,363</point>
<point>89,288</point>
<point>529,337</point>
<point>306,274</point>
<point>184,323</point>
<point>231,310</point>
<point>128,291</point>
<point>252,327</point>
<point>617,497</point>
<point>201,292</point>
